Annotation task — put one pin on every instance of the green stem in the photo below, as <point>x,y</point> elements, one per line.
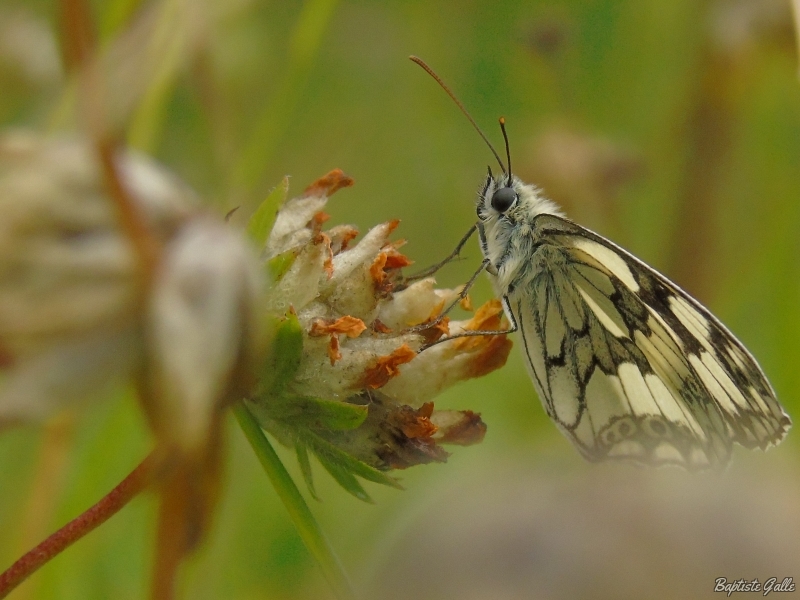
<point>308,528</point>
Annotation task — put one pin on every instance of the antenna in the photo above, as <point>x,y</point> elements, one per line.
<point>508,152</point>
<point>438,79</point>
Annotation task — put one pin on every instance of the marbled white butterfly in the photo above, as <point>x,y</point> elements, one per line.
<point>627,364</point>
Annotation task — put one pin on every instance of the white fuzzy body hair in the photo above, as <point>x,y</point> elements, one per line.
<point>507,238</point>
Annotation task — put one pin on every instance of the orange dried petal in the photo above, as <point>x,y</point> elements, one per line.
<point>316,222</point>
<point>387,260</point>
<point>466,303</point>
<point>376,269</point>
<point>341,238</point>
<point>488,317</point>
<point>491,356</point>
<point>333,350</point>
<point>418,424</point>
<point>352,327</point>
<point>395,260</point>
<point>435,332</point>
<point>329,184</point>
<point>386,367</point>
<point>426,410</point>
<point>404,451</point>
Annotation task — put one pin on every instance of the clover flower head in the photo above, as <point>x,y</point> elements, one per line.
<point>353,311</point>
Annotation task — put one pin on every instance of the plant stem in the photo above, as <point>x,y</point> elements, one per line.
<point>308,528</point>
<point>70,533</point>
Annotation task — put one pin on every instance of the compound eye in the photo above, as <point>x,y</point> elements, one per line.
<point>503,198</point>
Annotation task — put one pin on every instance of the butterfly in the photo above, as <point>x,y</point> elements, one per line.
<point>627,364</point>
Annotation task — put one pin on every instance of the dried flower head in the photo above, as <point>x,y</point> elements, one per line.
<point>77,319</point>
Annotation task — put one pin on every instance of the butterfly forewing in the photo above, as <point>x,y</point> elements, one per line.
<point>627,364</point>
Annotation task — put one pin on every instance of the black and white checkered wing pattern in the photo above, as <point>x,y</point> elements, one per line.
<point>630,366</point>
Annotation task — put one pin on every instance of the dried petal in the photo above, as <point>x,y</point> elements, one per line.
<point>347,325</point>
<point>395,260</point>
<point>487,318</point>
<point>420,426</point>
<point>333,350</point>
<point>382,440</point>
<point>415,304</point>
<point>318,220</point>
<point>447,363</point>
<point>341,236</point>
<point>329,184</point>
<point>386,367</point>
<point>362,255</point>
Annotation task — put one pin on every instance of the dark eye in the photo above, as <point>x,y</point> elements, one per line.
<point>503,198</point>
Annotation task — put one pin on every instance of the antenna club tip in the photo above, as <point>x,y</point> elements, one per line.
<point>502,120</point>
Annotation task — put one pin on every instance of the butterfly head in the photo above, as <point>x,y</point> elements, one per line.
<point>507,199</point>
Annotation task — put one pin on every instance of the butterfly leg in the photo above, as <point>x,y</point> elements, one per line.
<point>433,269</point>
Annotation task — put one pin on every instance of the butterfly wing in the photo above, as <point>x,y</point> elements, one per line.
<point>629,365</point>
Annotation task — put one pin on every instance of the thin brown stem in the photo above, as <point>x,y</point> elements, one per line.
<point>70,533</point>
<point>131,220</point>
<point>78,32</point>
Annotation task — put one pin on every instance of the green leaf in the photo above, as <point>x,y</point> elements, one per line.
<point>278,265</point>
<point>327,452</point>
<point>316,413</point>
<point>308,528</point>
<point>284,360</point>
<point>345,479</point>
<point>260,224</point>
<point>305,468</point>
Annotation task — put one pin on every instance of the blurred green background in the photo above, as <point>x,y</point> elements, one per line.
<point>671,127</point>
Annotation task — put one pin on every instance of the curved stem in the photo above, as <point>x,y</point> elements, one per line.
<point>70,533</point>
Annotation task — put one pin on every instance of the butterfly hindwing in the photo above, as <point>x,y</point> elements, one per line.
<point>627,364</point>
